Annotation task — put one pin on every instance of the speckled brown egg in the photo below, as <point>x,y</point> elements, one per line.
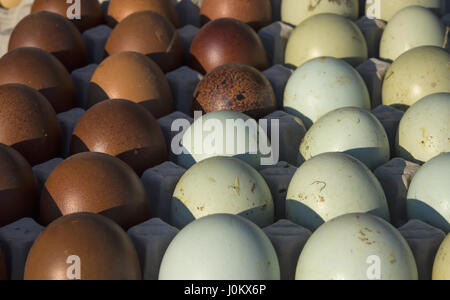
<point>119,10</point>
<point>134,77</point>
<point>53,33</point>
<point>225,41</point>
<point>150,34</point>
<point>83,246</point>
<point>91,11</point>
<point>123,129</point>
<point>40,70</point>
<point>235,87</point>
<point>256,13</point>
<point>28,123</point>
<point>18,197</point>
<point>97,183</point>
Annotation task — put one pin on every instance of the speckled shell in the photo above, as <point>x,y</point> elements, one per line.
<point>416,74</point>
<point>28,123</point>
<point>441,266</point>
<point>235,87</point>
<point>220,247</point>
<point>351,130</point>
<point>123,129</point>
<point>322,85</point>
<point>41,71</point>
<point>225,41</point>
<point>388,8</point>
<point>134,77</point>
<point>97,183</point>
<point>104,250</point>
<point>326,35</point>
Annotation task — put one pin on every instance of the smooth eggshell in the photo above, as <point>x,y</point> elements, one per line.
<point>386,9</point>
<point>441,266</point>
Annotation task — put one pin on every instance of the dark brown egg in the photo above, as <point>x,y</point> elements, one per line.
<point>90,11</point>
<point>150,34</point>
<point>123,129</point>
<point>28,123</point>
<point>225,41</point>
<point>3,271</point>
<point>18,197</point>
<point>256,13</point>
<point>119,10</point>
<point>40,70</point>
<point>134,77</point>
<point>52,33</point>
<point>97,183</point>
<point>83,246</point>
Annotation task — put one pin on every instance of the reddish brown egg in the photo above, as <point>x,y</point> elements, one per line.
<point>134,77</point>
<point>3,271</point>
<point>123,129</point>
<point>83,246</point>
<point>150,34</point>
<point>18,197</point>
<point>90,10</point>
<point>256,13</point>
<point>28,123</point>
<point>225,41</point>
<point>235,87</point>
<point>40,70</point>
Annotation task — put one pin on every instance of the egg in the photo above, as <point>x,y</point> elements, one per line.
<point>123,129</point>
<point>28,123</point>
<point>90,10</point>
<point>220,247</point>
<point>150,34</point>
<point>424,130</point>
<point>83,246</point>
<point>415,74</point>
<point>41,71</point>
<point>356,247</point>
<point>18,193</point>
<point>429,193</point>
<point>119,10</point>
<point>441,266</point>
<point>3,270</point>
<point>410,28</point>
<point>222,185</point>
<point>386,9</point>
<point>97,183</point>
<point>235,87</point>
<point>134,77</point>
<point>256,13</point>
<point>294,12</point>
<point>326,35</point>
<point>322,85</point>
<point>10,3</point>
<point>225,41</point>
<point>53,33</point>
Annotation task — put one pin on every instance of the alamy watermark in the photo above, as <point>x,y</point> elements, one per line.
<point>373,9</point>
<point>74,10</point>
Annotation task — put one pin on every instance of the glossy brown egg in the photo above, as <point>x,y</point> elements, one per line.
<point>91,11</point>
<point>256,13</point>
<point>235,87</point>
<point>225,41</point>
<point>150,34</point>
<point>52,33</point>
<point>28,123</point>
<point>97,183</point>
<point>123,129</point>
<point>18,198</point>
<point>83,246</point>
<point>134,77</point>
<point>40,70</point>
<point>119,10</point>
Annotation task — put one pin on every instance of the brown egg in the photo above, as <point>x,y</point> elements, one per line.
<point>40,70</point>
<point>18,197</point>
<point>225,41</point>
<point>123,129</point>
<point>256,13</point>
<point>3,271</point>
<point>150,34</point>
<point>235,87</point>
<point>134,77</point>
<point>119,10</point>
<point>91,11</point>
<point>83,246</point>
